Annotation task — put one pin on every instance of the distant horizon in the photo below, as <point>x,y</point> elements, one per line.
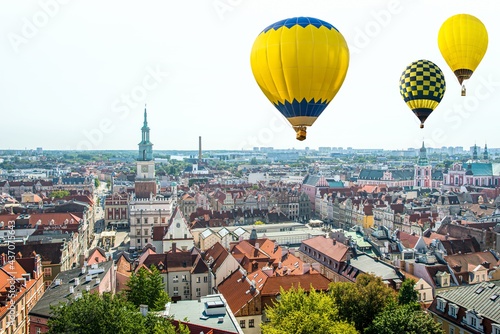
<point>465,148</point>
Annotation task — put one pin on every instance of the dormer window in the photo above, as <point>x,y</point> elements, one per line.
<point>473,319</point>
<point>453,310</point>
<point>441,304</point>
<point>495,329</point>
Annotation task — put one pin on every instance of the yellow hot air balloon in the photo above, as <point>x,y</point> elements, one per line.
<point>422,87</point>
<point>300,64</point>
<point>463,41</point>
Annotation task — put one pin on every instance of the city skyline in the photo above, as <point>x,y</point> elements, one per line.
<point>75,81</point>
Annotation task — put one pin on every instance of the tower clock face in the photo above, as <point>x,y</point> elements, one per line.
<point>144,169</point>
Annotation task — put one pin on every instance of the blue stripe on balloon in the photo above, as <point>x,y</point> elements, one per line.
<point>302,108</point>
<point>301,21</point>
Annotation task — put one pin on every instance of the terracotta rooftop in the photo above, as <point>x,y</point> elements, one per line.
<point>335,250</point>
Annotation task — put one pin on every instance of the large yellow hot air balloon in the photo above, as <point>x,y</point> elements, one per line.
<point>422,87</point>
<point>463,41</point>
<point>300,64</point>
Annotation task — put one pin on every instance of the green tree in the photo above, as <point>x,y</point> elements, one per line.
<point>360,302</point>
<point>104,314</point>
<point>97,183</point>
<point>146,287</point>
<point>59,194</point>
<point>299,312</point>
<point>404,320</point>
<point>407,295</point>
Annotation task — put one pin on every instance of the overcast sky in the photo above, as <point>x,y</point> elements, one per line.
<point>76,75</point>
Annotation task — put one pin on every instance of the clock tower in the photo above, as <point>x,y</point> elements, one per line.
<point>145,179</point>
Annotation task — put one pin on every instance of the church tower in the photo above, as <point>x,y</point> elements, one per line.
<point>145,179</point>
<point>474,153</point>
<point>423,170</point>
<point>485,153</point>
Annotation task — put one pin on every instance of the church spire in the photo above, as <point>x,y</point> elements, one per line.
<point>145,125</point>
<point>485,153</point>
<point>422,157</point>
<point>145,146</point>
<point>474,153</point>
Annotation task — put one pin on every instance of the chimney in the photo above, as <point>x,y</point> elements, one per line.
<point>174,247</point>
<point>257,245</point>
<point>306,267</point>
<point>77,281</point>
<point>71,289</point>
<point>334,241</point>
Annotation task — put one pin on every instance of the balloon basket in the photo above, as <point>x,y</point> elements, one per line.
<point>421,125</point>
<point>464,91</point>
<point>301,133</point>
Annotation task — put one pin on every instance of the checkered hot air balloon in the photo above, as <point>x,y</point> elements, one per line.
<point>422,87</point>
<point>300,64</point>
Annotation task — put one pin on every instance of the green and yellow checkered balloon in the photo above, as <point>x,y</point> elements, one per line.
<point>422,87</point>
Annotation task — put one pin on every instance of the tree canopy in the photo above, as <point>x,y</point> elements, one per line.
<point>59,194</point>
<point>302,313</point>
<point>360,302</point>
<point>407,295</point>
<point>104,314</point>
<point>404,319</point>
<point>146,287</point>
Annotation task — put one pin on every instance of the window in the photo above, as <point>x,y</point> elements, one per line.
<point>138,241</point>
<point>186,290</point>
<point>441,304</point>
<point>453,310</point>
<point>156,220</point>
<point>176,290</point>
<point>38,330</point>
<point>176,279</point>
<point>205,279</point>
<point>198,292</point>
<point>251,323</point>
<point>198,279</point>
<point>146,231</point>
<point>184,278</point>
<point>47,284</point>
<point>47,272</point>
<point>452,330</point>
<point>145,241</point>
<point>242,323</point>
<point>495,329</point>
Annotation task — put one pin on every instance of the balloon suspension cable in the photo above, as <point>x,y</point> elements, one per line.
<point>463,90</point>
<point>301,132</point>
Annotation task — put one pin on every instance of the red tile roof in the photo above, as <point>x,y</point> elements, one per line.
<point>273,284</point>
<point>335,250</point>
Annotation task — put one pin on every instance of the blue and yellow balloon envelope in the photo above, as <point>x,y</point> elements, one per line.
<point>422,87</point>
<point>300,64</point>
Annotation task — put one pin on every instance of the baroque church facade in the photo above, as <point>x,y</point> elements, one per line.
<point>477,172</point>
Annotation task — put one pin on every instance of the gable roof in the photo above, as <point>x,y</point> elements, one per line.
<point>477,297</point>
<point>335,250</point>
